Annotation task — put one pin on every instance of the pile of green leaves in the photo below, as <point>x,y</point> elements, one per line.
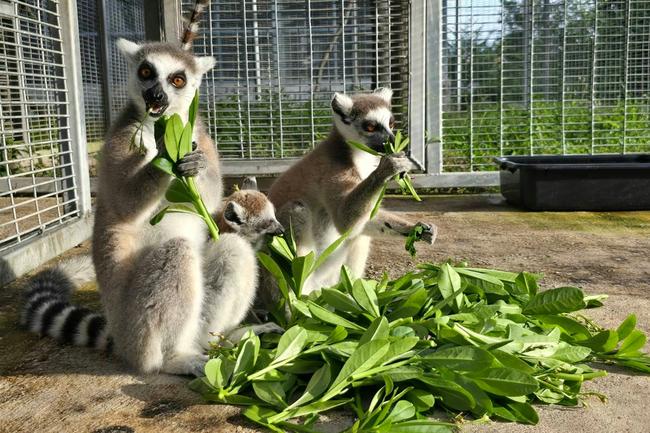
<point>182,191</point>
<point>467,340</point>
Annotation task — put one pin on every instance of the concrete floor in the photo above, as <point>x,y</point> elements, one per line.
<point>45,387</point>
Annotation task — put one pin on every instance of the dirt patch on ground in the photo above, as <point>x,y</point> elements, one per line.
<point>47,387</point>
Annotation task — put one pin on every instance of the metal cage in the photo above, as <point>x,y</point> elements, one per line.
<point>44,185</point>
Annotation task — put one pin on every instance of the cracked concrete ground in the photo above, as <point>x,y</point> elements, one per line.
<point>45,387</point>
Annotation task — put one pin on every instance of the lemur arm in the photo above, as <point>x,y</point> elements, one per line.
<point>352,209</point>
<point>388,223</point>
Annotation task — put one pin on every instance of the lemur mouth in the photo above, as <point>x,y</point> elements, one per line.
<point>155,109</point>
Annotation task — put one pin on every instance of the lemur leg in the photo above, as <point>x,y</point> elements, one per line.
<point>358,251</point>
<point>387,223</point>
<point>230,270</point>
<point>165,300</point>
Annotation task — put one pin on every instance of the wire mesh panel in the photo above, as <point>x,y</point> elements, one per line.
<point>92,70</point>
<point>523,77</point>
<point>37,184</point>
<point>122,19</point>
<point>279,62</point>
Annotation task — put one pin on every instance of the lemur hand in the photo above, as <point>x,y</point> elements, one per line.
<point>192,163</point>
<point>390,165</point>
<point>429,233</point>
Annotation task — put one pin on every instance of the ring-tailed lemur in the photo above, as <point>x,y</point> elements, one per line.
<point>334,187</point>
<point>151,279</point>
<point>246,215</point>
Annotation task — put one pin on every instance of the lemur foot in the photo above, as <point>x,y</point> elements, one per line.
<point>187,364</point>
<point>429,234</point>
<point>192,164</point>
<point>236,334</point>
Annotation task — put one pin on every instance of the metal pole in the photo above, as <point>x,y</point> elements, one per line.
<point>76,122</point>
<point>434,87</point>
<point>154,25</point>
<point>105,57</point>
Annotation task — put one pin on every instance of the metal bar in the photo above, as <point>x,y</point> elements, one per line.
<point>154,24</point>
<point>562,72</point>
<point>105,62</point>
<point>434,78</point>
<point>171,21</point>
<point>417,81</point>
<point>451,180</point>
<point>311,75</point>
<point>248,92</point>
<point>531,81</point>
<point>279,87</point>
<point>594,47</point>
<point>628,8</point>
<point>76,130</point>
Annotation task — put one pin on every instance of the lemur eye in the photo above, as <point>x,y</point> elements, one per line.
<point>144,72</point>
<point>370,127</point>
<point>178,81</point>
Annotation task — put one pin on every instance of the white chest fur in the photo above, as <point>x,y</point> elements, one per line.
<point>364,162</point>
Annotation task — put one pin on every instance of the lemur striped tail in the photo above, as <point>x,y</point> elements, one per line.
<point>48,311</point>
<point>192,27</point>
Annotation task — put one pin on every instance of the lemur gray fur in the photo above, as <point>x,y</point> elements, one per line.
<point>152,280</point>
<point>334,187</point>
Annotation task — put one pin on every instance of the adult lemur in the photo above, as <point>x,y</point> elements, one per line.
<point>151,279</point>
<point>334,188</point>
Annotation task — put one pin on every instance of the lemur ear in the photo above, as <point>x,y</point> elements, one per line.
<point>249,182</point>
<point>204,64</point>
<point>342,105</point>
<point>234,213</point>
<point>384,93</point>
<point>127,48</point>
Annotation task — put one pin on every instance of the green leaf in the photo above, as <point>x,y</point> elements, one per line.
<point>275,270</point>
<point>626,327</point>
<point>449,282</point>
<point>246,357</point>
<point>366,297</point>
<point>176,208</point>
<point>506,382</point>
<point>177,192</point>
<point>414,235</point>
<point>279,245</point>
<point>422,400</point>
<point>569,325</point>
<point>402,411</point>
<point>512,361</point>
<point>329,250</point>
<point>378,330</point>
<point>452,394</point>
<point>340,301</point>
<point>555,301</point>
<point>363,147</point>
<point>317,385</point>
<point>291,344</point>
<point>571,354</point>
<point>163,164</point>
<point>364,358</point>
<point>194,109</point>
<point>485,282</point>
<point>214,374</point>
<point>421,426</point>
<point>461,358</point>
<point>399,348</point>
<point>271,393</point>
<point>604,341</point>
<point>173,132</point>
<point>633,342</point>
<point>185,143</point>
<point>329,317</point>
<point>524,412</point>
<point>377,205</point>
<point>302,267</point>
<point>527,283</point>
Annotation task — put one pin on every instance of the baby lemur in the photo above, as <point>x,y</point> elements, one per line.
<point>334,187</point>
<point>152,280</point>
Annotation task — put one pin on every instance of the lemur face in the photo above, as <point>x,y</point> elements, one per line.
<point>163,78</point>
<point>251,215</point>
<point>365,118</point>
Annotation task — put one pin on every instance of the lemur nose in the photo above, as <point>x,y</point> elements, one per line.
<point>155,94</point>
<point>279,230</point>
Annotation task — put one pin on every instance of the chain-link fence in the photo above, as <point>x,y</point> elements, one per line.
<point>531,77</point>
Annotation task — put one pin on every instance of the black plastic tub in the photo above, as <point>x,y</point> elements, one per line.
<point>577,182</point>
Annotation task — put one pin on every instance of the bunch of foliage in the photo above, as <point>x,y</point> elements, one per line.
<point>468,340</point>
<point>182,191</point>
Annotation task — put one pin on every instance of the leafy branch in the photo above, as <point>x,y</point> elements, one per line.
<point>182,191</point>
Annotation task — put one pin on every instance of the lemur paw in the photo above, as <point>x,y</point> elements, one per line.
<point>391,165</point>
<point>192,164</point>
<point>429,234</point>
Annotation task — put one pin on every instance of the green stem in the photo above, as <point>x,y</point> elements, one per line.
<point>580,377</point>
<point>201,208</point>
